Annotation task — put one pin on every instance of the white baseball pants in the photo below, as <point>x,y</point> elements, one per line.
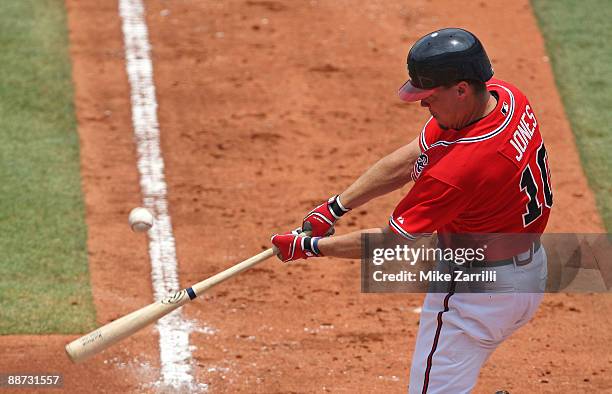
<point>459,331</point>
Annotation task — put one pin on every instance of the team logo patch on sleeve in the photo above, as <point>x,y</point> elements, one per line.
<point>419,165</point>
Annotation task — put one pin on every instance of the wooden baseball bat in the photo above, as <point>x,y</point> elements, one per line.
<point>113,332</point>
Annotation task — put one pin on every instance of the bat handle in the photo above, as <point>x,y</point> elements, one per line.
<point>214,280</point>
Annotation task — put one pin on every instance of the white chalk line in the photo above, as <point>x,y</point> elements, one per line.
<point>175,352</point>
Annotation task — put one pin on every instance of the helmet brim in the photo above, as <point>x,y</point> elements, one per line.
<point>409,92</point>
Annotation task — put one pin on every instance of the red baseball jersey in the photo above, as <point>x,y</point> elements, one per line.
<point>489,177</point>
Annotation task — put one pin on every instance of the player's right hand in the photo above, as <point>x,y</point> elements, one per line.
<point>321,220</point>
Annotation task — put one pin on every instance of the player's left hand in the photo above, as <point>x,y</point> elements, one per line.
<point>292,246</point>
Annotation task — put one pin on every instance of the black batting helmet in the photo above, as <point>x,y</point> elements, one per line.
<point>441,58</point>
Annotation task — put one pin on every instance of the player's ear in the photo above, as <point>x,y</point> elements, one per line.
<point>462,89</point>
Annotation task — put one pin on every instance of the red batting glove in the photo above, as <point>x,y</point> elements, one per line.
<point>323,217</point>
<point>293,247</point>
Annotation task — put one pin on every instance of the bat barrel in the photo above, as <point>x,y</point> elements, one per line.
<point>96,341</point>
<point>88,345</point>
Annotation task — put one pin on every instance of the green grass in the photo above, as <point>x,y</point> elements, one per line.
<point>44,279</point>
<point>579,41</point>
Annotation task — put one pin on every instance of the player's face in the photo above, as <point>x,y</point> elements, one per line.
<point>445,106</point>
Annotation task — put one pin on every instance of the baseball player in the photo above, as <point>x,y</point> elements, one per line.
<point>479,166</point>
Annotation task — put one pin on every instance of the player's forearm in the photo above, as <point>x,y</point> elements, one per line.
<point>346,246</point>
<point>388,174</point>
<point>377,181</point>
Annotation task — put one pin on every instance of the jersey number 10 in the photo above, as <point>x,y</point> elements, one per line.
<point>530,185</point>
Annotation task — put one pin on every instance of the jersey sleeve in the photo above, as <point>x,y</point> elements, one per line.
<point>428,135</point>
<point>429,205</point>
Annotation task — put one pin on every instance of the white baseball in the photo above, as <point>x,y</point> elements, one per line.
<point>140,219</point>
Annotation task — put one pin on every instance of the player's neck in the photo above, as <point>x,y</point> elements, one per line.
<point>483,106</point>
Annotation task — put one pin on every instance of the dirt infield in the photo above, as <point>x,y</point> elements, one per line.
<point>266,108</point>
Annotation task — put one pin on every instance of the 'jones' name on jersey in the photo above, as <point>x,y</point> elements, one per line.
<point>523,133</point>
